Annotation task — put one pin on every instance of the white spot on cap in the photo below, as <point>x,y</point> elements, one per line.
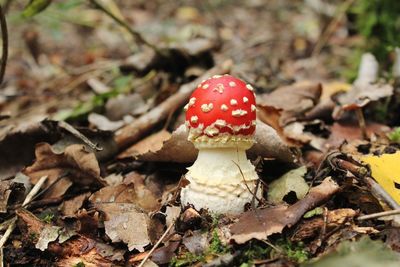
<point>253,108</point>
<point>219,88</point>
<point>186,107</point>
<point>194,119</point>
<point>245,99</point>
<point>207,107</point>
<point>192,100</point>
<point>211,130</point>
<point>232,84</point>
<point>224,107</point>
<point>248,86</point>
<point>205,86</point>
<point>233,102</point>
<point>239,113</point>
<point>217,76</point>
<point>220,123</point>
<point>253,123</point>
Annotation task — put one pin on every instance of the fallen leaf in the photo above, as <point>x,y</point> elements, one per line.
<point>385,170</point>
<point>364,252</point>
<point>69,207</point>
<point>125,222</point>
<point>8,188</point>
<point>79,167</point>
<point>48,234</point>
<point>294,100</point>
<point>118,107</point>
<point>126,193</point>
<point>262,223</point>
<point>291,181</point>
<point>196,242</point>
<point>152,143</point>
<point>178,149</point>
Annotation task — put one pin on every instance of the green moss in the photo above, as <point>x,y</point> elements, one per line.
<point>79,264</point>
<point>394,136</point>
<point>186,259</point>
<point>294,251</point>
<point>216,246</point>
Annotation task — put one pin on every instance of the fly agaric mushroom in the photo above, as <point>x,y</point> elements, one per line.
<point>221,119</point>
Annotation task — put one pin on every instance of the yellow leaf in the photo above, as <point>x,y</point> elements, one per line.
<point>386,171</point>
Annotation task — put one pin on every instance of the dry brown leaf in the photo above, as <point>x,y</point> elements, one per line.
<point>312,227</point>
<point>294,100</point>
<point>69,207</point>
<point>179,149</point>
<point>350,132</point>
<point>6,188</point>
<point>127,193</point>
<point>149,144</point>
<point>87,251</point>
<point>262,223</point>
<point>125,222</point>
<point>79,166</point>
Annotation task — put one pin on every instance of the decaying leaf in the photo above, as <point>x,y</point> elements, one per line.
<point>127,193</point>
<point>69,207</point>
<point>74,166</point>
<point>294,100</point>
<point>364,252</point>
<point>149,144</point>
<point>312,227</point>
<point>7,188</point>
<point>179,149</point>
<point>262,223</point>
<point>385,170</point>
<point>291,181</point>
<point>125,222</point>
<point>48,234</point>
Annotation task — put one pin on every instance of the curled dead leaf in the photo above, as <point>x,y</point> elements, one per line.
<point>260,224</point>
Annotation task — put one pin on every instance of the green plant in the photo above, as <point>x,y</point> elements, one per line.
<point>186,259</point>
<point>216,246</point>
<point>379,22</point>
<point>80,264</point>
<point>48,218</point>
<point>293,251</point>
<point>394,136</point>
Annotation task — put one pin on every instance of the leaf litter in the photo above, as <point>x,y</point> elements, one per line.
<point>115,167</point>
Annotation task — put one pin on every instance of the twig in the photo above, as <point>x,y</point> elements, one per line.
<point>380,193</point>
<point>79,135</point>
<point>245,183</point>
<point>28,199</point>
<point>134,131</point>
<point>157,244</point>
<point>379,214</point>
<point>331,27</point>
<point>4,36</point>
<point>124,24</point>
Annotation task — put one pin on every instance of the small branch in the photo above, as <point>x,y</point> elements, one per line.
<point>78,135</point>
<point>28,199</point>
<point>4,36</point>
<point>342,9</point>
<point>379,214</point>
<point>157,244</point>
<point>124,24</point>
<point>381,194</point>
<point>245,183</point>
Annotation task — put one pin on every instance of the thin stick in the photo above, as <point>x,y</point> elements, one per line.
<point>79,135</point>
<point>245,183</point>
<point>156,245</point>
<point>28,198</point>
<point>379,214</point>
<point>124,24</point>
<point>331,27</point>
<point>4,36</point>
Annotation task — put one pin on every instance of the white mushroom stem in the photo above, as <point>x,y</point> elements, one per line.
<point>217,183</point>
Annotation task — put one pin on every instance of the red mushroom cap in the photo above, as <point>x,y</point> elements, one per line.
<point>221,109</point>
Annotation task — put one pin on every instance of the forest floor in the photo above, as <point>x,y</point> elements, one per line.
<point>93,158</point>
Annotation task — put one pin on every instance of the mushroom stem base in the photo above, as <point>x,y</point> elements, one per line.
<point>222,180</point>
